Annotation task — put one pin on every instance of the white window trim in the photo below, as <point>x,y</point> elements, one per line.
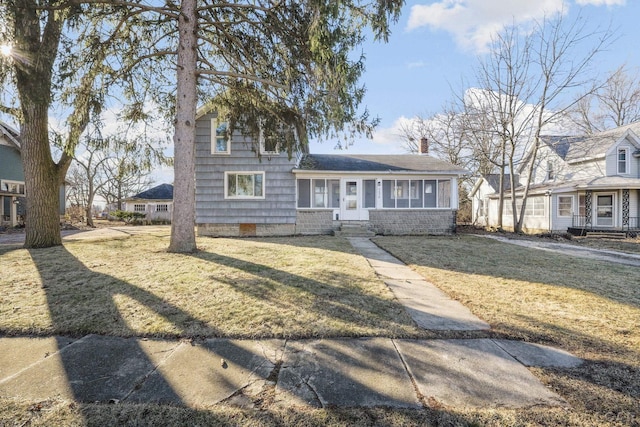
<point>140,204</point>
<point>226,185</point>
<point>214,138</point>
<point>5,183</point>
<point>262,148</point>
<point>626,160</point>
<point>558,207</point>
<point>164,205</point>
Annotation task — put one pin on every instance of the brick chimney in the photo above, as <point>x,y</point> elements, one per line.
<point>424,146</point>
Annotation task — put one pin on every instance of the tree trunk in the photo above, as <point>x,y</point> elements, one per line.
<point>42,181</point>
<point>183,237</point>
<point>33,80</point>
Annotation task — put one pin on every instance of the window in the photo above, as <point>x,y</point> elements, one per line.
<point>162,208</point>
<point>139,208</point>
<point>274,137</point>
<point>550,172</point>
<point>369,194</point>
<point>16,187</point>
<point>565,206</point>
<point>535,207</point>
<point>416,193</point>
<point>318,193</point>
<point>582,201</point>
<point>244,185</point>
<point>220,138</point>
<point>622,160</point>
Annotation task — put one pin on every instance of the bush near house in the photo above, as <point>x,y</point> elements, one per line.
<point>129,217</point>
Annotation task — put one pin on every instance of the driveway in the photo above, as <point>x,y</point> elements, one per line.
<point>96,233</point>
<point>572,250</point>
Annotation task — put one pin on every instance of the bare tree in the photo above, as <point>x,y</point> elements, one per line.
<point>525,79</point>
<point>615,103</point>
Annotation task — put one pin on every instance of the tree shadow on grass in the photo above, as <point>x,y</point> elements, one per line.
<point>107,369</point>
<point>331,297</point>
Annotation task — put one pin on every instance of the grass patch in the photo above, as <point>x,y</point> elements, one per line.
<point>261,288</point>
<point>590,308</point>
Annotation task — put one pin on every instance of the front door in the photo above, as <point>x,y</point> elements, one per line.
<point>350,207</point>
<point>605,210</point>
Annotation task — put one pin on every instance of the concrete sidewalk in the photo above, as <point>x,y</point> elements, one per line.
<point>318,373</point>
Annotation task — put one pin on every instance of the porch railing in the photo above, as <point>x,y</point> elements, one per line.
<point>580,221</point>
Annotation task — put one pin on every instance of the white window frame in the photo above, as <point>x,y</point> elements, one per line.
<point>244,197</point>
<point>399,193</point>
<point>214,138</point>
<point>136,207</point>
<point>530,211</point>
<point>624,150</point>
<point>570,209</point>
<point>6,184</point>
<point>162,207</point>
<point>263,150</point>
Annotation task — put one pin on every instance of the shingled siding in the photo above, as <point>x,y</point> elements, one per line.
<point>216,215</point>
<point>418,222</point>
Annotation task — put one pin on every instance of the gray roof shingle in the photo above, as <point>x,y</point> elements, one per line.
<point>160,192</point>
<point>377,163</point>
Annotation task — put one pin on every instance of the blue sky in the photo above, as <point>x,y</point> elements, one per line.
<point>436,44</point>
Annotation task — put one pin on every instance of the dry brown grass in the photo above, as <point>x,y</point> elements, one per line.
<point>590,308</point>
<point>302,287</point>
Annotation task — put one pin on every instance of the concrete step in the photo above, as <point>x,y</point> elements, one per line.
<point>606,235</point>
<point>354,230</point>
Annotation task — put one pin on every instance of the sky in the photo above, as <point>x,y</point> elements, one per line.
<point>435,46</point>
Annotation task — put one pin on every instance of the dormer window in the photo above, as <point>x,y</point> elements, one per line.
<point>220,138</point>
<point>274,137</point>
<point>623,158</point>
<point>550,172</point>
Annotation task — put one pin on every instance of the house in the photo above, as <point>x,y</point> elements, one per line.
<point>12,192</point>
<point>12,185</point>
<point>579,184</point>
<point>247,187</point>
<point>156,203</point>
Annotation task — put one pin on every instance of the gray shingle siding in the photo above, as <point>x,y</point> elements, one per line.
<point>278,205</point>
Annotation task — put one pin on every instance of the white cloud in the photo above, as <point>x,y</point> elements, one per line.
<point>473,22</point>
<point>391,136</point>
<point>417,64</point>
<point>601,2</point>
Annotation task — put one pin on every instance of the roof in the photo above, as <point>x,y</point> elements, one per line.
<point>596,145</point>
<point>10,133</point>
<point>160,192</point>
<point>560,144</point>
<point>409,163</point>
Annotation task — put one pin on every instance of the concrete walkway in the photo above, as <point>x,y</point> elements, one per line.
<point>364,372</point>
<point>572,250</point>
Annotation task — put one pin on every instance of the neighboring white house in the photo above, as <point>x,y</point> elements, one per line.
<point>156,203</point>
<point>579,184</point>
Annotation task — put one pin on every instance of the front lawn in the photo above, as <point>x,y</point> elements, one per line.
<point>285,288</point>
<point>319,287</point>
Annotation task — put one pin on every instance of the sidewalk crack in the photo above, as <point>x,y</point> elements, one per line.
<point>421,398</point>
<point>138,385</point>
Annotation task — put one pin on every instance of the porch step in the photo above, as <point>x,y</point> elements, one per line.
<point>606,235</point>
<point>354,230</point>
